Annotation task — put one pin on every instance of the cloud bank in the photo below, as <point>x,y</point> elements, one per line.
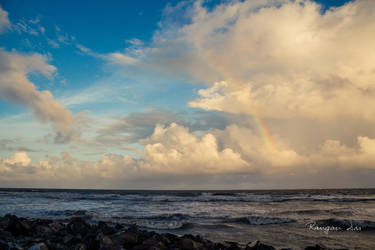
<point>175,157</point>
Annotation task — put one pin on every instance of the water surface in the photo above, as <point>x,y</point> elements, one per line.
<point>282,218</point>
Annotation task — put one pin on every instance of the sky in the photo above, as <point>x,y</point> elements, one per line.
<point>260,94</point>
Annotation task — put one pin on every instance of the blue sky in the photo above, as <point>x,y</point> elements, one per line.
<point>151,84</point>
<point>102,27</point>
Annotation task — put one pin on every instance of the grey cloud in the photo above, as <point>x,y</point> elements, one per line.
<point>139,125</point>
<point>8,145</point>
<point>135,126</point>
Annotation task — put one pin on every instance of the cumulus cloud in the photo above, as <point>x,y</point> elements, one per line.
<point>308,72</point>
<point>305,70</point>
<point>4,20</point>
<point>173,149</point>
<point>234,156</point>
<point>281,58</point>
<point>15,87</point>
<point>19,158</point>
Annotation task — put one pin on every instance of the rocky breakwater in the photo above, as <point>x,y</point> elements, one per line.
<point>77,234</point>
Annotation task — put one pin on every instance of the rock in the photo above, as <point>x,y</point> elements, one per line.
<point>4,245</point>
<point>133,228</point>
<point>127,239</point>
<point>317,247</point>
<point>106,240</point>
<point>199,238</point>
<point>189,244</point>
<point>55,226</point>
<point>154,242</point>
<point>140,247</point>
<point>257,245</point>
<point>67,238</point>
<point>93,245</point>
<point>17,227</point>
<point>39,246</point>
<point>6,236</point>
<point>218,246</point>
<point>40,234</point>
<point>171,237</point>
<point>119,227</point>
<point>3,223</point>
<point>80,247</point>
<point>323,247</point>
<point>78,226</point>
<point>44,221</point>
<point>105,229</point>
<point>165,240</point>
<point>232,246</point>
<point>43,230</point>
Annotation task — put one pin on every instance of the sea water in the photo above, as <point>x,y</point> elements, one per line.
<point>282,218</point>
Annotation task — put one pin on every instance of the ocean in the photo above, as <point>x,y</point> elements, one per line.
<point>340,218</point>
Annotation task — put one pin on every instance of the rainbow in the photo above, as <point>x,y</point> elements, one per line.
<point>263,131</point>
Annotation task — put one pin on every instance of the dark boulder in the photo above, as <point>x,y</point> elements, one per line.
<point>38,246</point>
<point>78,226</point>
<point>127,239</point>
<point>17,226</point>
<point>80,246</point>
<point>189,244</point>
<point>219,246</point>
<point>233,246</point>
<point>257,245</point>
<point>4,245</point>
<point>105,229</point>
<point>55,226</point>
<point>6,236</point>
<point>154,242</point>
<point>317,247</point>
<point>171,237</point>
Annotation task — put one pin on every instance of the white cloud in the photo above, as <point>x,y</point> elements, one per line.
<point>285,60</point>
<point>121,59</point>
<point>173,149</point>
<point>288,62</point>
<point>173,153</point>
<point>116,58</point>
<point>16,88</point>
<point>4,20</point>
<point>19,158</point>
<point>282,58</point>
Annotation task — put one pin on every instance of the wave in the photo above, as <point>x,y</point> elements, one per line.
<point>173,216</point>
<point>259,220</point>
<point>238,197</point>
<point>319,212</point>
<point>66,214</point>
<point>161,225</point>
<point>344,224</point>
<point>193,196</point>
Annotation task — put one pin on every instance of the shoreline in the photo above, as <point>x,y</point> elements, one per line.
<point>78,234</point>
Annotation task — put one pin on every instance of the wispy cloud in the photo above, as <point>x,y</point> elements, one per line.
<point>115,57</point>
<point>4,20</point>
